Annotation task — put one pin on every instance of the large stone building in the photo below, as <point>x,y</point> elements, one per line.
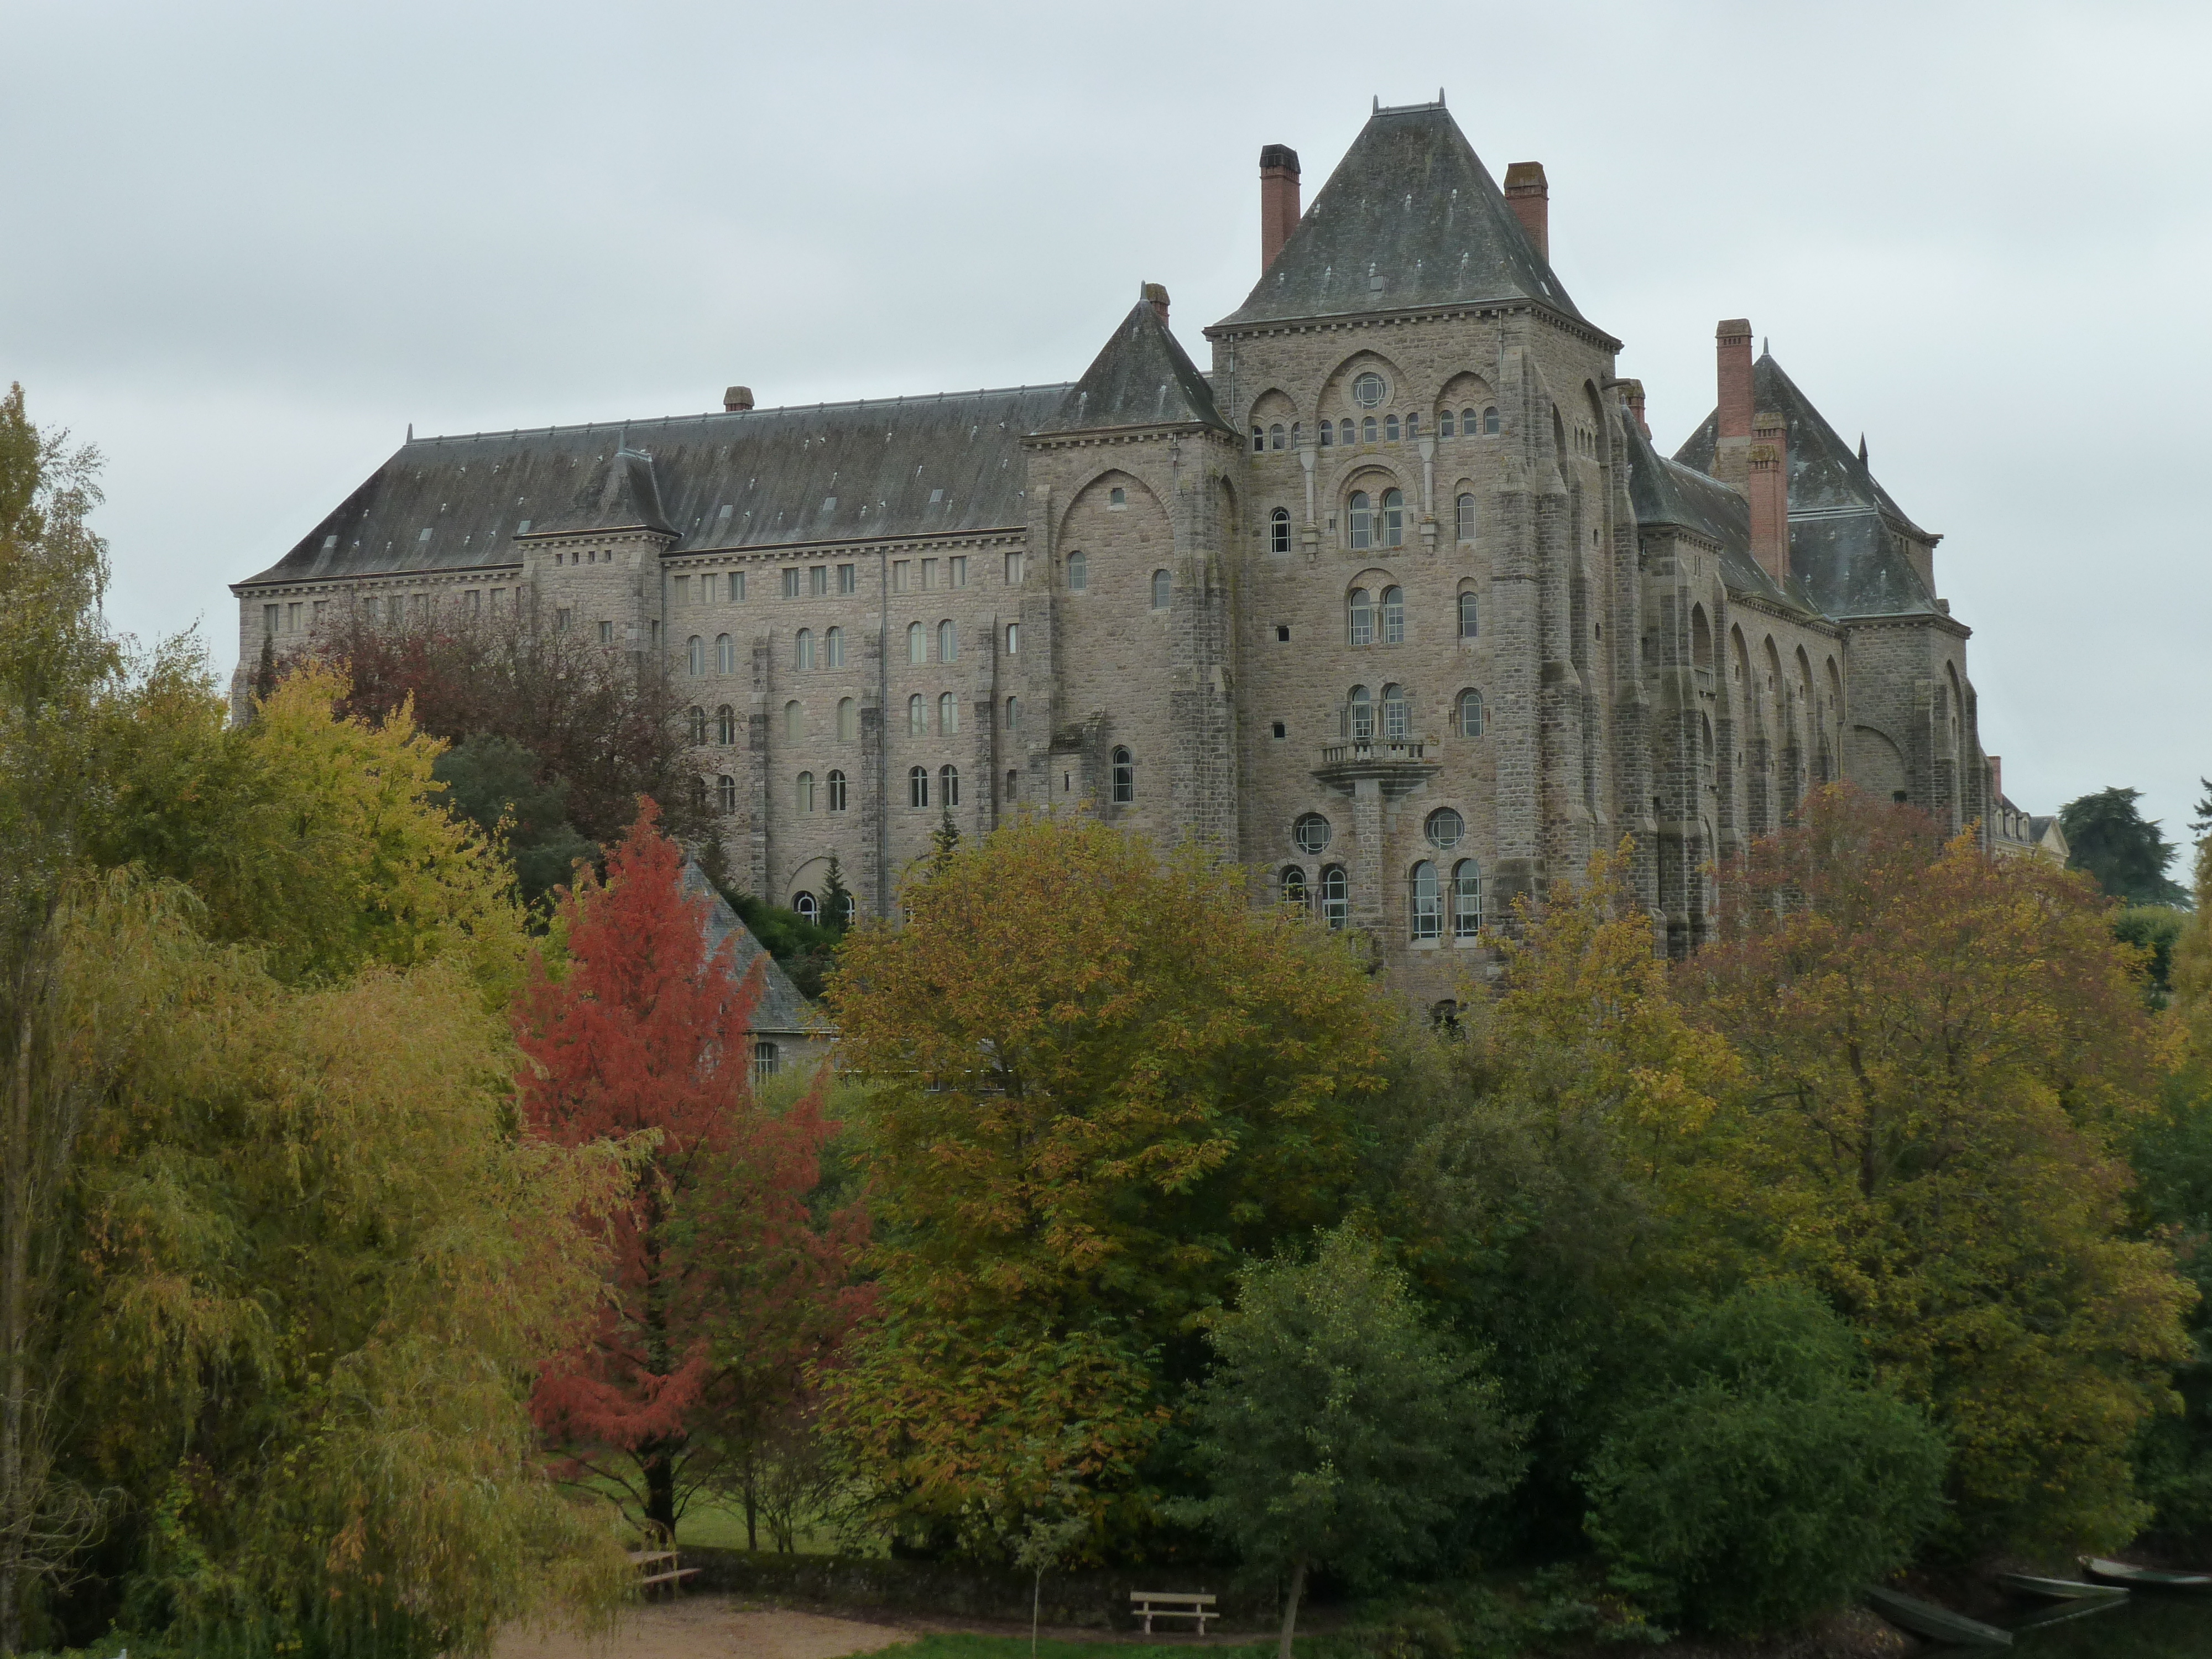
<point>1397,606</point>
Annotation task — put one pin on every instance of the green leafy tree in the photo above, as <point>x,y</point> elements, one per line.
<point>500,787</point>
<point>1766,1478</point>
<point>1338,1430</point>
<point>836,900</point>
<point>2115,843</point>
<point>2152,929</point>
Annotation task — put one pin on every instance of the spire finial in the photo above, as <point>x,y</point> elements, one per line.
<point>1762,347</point>
<point>1378,110</point>
<point>1862,449</point>
<point>410,432</point>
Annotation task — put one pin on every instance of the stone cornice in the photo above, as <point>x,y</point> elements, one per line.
<point>1478,311</point>
<point>305,584</point>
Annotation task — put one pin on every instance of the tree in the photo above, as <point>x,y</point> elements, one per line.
<point>1096,1080</point>
<point>1944,1056</point>
<point>723,1289</point>
<point>498,785</point>
<point>837,907</point>
<point>2200,825</point>
<point>1764,1479</point>
<point>2118,845</point>
<point>1338,1431</point>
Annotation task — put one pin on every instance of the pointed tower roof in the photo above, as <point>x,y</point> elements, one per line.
<point>1411,218</point>
<point>1842,546</point>
<point>1142,377</point>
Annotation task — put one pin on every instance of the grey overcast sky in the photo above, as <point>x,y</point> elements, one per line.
<point>243,245</point>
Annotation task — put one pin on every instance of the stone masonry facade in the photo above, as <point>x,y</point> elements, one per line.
<point>1396,605</point>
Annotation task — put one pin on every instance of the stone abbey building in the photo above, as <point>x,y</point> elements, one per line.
<point>1397,605</point>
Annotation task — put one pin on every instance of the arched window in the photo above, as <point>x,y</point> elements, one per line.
<point>1469,423</point>
<point>1327,434</point>
<point>726,725</point>
<point>698,725</point>
<point>1424,903</point>
<point>794,722</point>
<point>1361,519</point>
<point>725,794</point>
<point>1359,715</point>
<point>1464,521</point>
<point>917,644</point>
<point>806,795</point>
<point>810,910</point>
<point>948,712</point>
<point>1013,714</point>
<point>1291,887</point>
<point>849,910</point>
<point>1297,435</point>
<point>1163,588</point>
<point>1466,899</point>
<point>849,719</point>
<point>1013,786</point>
<point>833,648</point>
<point>694,655</point>
<point>1393,616</point>
<point>1335,895</point>
<point>1444,427</point>
<point>1117,499</point>
<point>802,654</point>
<point>725,654</point>
<point>917,786</point>
<point>1390,428</point>
<point>1279,530</point>
<point>1412,428</point>
<point>1394,518</point>
<point>917,716</point>
<point>1013,639</point>
<point>948,642</point>
<point>1362,613</point>
<point>1490,420</point>
<point>836,792</point>
<point>1275,435</point>
<point>1466,716</point>
<point>1367,430</point>
<point>765,1060</point>
<point>1394,711</point>
<point>1079,573</point>
<point>1125,777</point>
<point>1259,438</point>
<point>1470,614</point>
<point>948,783</point>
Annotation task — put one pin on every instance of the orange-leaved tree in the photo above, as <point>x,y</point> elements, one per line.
<point>1098,1080</point>
<point>1943,1054</point>
<point>725,1290</point>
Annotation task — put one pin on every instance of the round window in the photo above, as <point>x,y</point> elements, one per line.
<point>1311,833</point>
<point>1445,828</point>
<point>1367,391</point>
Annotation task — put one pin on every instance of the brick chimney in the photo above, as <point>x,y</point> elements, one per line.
<point>1731,459</point>
<point>1279,200</point>
<point>737,398</point>
<point>1156,295</point>
<point>1631,393</point>
<point>1530,198</point>
<point>1768,489</point>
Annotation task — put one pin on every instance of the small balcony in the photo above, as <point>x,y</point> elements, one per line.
<point>1397,764</point>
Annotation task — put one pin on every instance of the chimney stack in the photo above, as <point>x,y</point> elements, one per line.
<point>1768,487</point>
<point>1156,295</point>
<point>1530,198</point>
<point>1733,431</point>
<point>737,398</point>
<point>1631,393</point>
<point>1996,777</point>
<point>1279,200</point>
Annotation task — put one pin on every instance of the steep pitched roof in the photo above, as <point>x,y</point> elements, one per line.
<point>781,1010</point>
<point>1664,492</point>
<point>1410,218</point>
<point>1142,377</point>
<point>748,480</point>
<point>1843,524</point>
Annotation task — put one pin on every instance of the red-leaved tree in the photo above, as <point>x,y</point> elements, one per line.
<point>725,1294</point>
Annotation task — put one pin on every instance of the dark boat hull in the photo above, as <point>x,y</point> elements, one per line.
<point>1937,1624</point>
<point>2059,1589</point>
<point>2146,1578</point>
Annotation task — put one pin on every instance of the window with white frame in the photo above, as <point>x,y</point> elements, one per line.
<point>948,642</point>
<point>802,656</point>
<point>1425,902</point>
<point>1470,617</point>
<point>917,644</point>
<point>1278,530</point>
<point>836,791</point>
<point>1361,517</point>
<point>1360,613</point>
<point>1467,716</point>
<point>948,784</point>
<point>1463,517</point>
<point>917,786</point>
<point>833,648</point>
<point>1394,713</point>
<point>694,655</point>
<point>725,654</point>
<point>948,714</point>
<point>1162,589</point>
<point>1359,715</point>
<point>725,794</point>
<point>726,725</point>
<point>1125,776</point>
<point>1079,572</point>
<point>1466,899</point>
<point>803,795</point>
<point>1335,895</point>
<point>917,716</point>
<point>1393,616</point>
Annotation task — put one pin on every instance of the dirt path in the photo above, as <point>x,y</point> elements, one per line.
<point>712,1627</point>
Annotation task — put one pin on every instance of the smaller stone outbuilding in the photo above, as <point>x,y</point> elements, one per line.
<point>789,1032</point>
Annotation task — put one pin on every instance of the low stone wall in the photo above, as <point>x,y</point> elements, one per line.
<point>1097,1601</point>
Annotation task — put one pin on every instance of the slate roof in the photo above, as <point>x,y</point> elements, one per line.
<point>1666,492</point>
<point>1410,207</point>
<point>780,1012</point>
<point>897,466</point>
<point>1841,544</point>
<point>1142,377</point>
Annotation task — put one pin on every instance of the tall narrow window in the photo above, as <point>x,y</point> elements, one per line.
<point>1469,423</point>
<point>1335,895</point>
<point>725,794</point>
<point>1425,902</point>
<point>1466,899</point>
<point>1444,424</point>
<point>726,725</point>
<point>1297,435</point>
<point>606,633</point>
<point>1125,777</point>
<point>1291,887</point>
<point>1394,713</point>
<point>1161,588</point>
<point>1275,436</point>
<point>849,719</point>
<point>1013,786</point>
<point>1490,420</point>
<point>948,642</point>
<point>725,654</point>
<point>1362,516</point>
<point>948,784</point>
<point>1359,716</point>
<point>1327,434</point>
<point>765,1060</point>
<point>1367,430</point>
<point>807,791</point>
<point>1013,714</point>
<point>1390,428</point>
<point>694,655</point>
<point>1469,616</point>
<point>1363,616</point>
<point>1463,521</point>
<point>794,722</point>
<point>948,714</point>
<point>1013,570</point>
<point>1279,530</point>
<point>698,725</point>
<point>917,786</point>
<point>917,644</point>
<point>833,648</point>
<point>836,792</point>
<point>802,656</point>
<point>1013,639</point>
<point>1470,714</point>
<point>1259,440</point>
<point>1394,518</point>
<point>917,716</point>
<point>1393,616</point>
<point>848,579</point>
<point>1079,572</point>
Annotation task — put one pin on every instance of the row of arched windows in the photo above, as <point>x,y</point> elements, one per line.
<point>725,654</point>
<point>1367,716</point>
<point>1372,619</point>
<point>833,792</point>
<point>1370,429</point>
<point>1433,901</point>
<point>724,726</point>
<point>1375,524</point>
<point>832,656</point>
<point>810,909</point>
<point>948,786</point>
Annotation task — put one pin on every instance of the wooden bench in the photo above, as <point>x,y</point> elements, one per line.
<point>660,1567</point>
<point>1149,1605</point>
